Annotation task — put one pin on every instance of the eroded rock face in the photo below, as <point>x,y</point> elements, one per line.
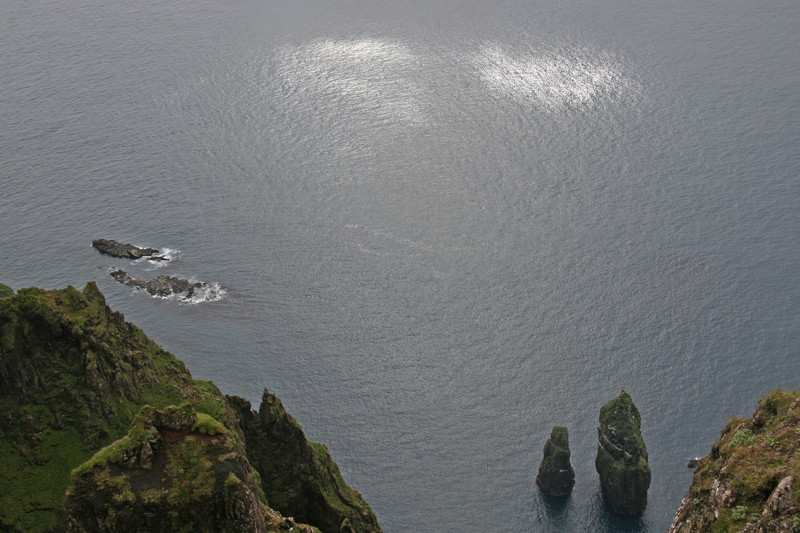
<point>126,251</point>
<point>174,471</point>
<point>622,457</point>
<point>299,477</point>
<point>556,476</point>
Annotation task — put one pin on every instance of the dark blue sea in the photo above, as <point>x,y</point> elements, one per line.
<point>438,228</point>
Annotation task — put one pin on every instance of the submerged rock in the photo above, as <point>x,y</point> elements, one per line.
<point>556,476</point>
<point>166,286</point>
<point>622,456</point>
<point>127,251</point>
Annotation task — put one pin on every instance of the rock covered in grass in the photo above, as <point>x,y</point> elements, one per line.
<point>749,480</point>
<point>556,476</point>
<point>175,470</point>
<point>622,457</point>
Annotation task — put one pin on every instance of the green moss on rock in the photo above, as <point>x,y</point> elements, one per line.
<point>622,456</point>
<point>556,476</point>
<point>298,476</point>
<point>5,291</point>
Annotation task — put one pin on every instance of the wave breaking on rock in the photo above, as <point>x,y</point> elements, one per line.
<point>169,287</point>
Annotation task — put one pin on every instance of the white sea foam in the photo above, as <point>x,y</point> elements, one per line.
<point>165,257</point>
<point>209,292</point>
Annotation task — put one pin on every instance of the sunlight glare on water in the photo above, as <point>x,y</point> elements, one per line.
<point>370,75</point>
<point>549,80</point>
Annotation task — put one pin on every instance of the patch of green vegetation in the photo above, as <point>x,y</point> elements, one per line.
<point>78,373</point>
<point>752,456</point>
<point>207,425</point>
<point>742,436</point>
<point>211,401</point>
<point>33,481</point>
<point>5,291</point>
<point>188,473</point>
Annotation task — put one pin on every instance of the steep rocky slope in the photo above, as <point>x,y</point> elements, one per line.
<point>88,402</point>
<point>750,480</point>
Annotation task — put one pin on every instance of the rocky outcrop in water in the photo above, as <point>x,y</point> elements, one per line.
<point>748,483</point>
<point>556,476</point>
<point>622,457</point>
<point>74,375</point>
<point>164,286</point>
<point>125,251</point>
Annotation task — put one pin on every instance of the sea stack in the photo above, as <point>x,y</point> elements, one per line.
<point>556,476</point>
<point>622,457</point>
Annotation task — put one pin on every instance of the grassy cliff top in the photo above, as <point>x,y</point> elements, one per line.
<point>733,484</point>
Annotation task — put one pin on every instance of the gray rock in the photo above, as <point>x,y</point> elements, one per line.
<point>163,286</point>
<point>126,251</point>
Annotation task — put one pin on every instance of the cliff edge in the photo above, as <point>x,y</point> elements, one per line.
<point>103,430</point>
<point>750,480</point>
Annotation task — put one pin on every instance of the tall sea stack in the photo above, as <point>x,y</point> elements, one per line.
<point>556,476</point>
<point>622,456</point>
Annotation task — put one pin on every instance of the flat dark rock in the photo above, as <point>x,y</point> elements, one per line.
<point>128,251</point>
<point>162,286</point>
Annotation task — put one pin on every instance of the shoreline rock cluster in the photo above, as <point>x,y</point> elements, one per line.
<point>162,286</point>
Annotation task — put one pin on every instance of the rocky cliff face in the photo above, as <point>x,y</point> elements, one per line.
<point>74,376</point>
<point>749,481</point>
<point>298,476</point>
<point>622,456</point>
<point>175,470</point>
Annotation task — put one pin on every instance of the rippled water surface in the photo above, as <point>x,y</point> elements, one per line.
<point>441,227</point>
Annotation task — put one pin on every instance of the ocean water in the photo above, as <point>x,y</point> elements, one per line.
<point>441,227</point>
